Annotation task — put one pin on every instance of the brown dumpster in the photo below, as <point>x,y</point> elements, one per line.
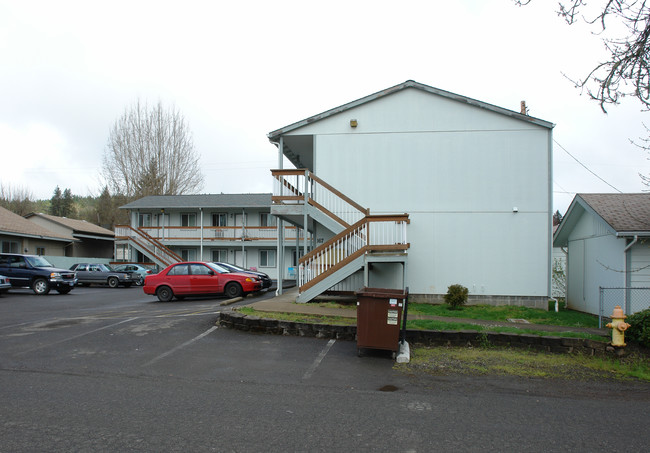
<point>379,317</point>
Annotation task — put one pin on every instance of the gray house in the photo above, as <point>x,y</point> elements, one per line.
<point>607,238</point>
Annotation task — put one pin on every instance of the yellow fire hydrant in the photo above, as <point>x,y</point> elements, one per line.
<point>618,326</point>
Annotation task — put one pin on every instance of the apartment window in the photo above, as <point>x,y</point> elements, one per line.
<point>144,220</point>
<point>188,219</point>
<point>267,220</point>
<point>40,250</point>
<point>219,219</point>
<point>220,255</point>
<point>267,258</point>
<point>188,254</point>
<point>10,247</point>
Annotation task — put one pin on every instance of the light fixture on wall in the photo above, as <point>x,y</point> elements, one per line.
<point>515,209</point>
<point>353,123</point>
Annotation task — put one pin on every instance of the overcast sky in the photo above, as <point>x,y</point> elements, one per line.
<point>238,70</point>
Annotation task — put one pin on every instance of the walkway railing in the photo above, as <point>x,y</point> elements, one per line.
<point>301,186</point>
<point>372,233</point>
<point>236,233</point>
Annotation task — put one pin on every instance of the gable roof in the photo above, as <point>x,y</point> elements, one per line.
<point>626,214</point>
<point>77,226</point>
<point>15,225</point>
<point>274,136</point>
<point>245,200</point>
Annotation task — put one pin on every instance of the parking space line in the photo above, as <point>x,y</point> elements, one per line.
<point>77,336</point>
<point>319,359</point>
<point>187,343</point>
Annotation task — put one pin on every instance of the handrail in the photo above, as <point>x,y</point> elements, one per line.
<point>372,233</point>
<point>289,188</point>
<point>128,232</point>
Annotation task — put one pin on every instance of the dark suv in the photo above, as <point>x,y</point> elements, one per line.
<point>36,272</point>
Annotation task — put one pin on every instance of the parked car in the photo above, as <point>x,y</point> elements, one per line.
<point>32,271</point>
<point>199,278</point>
<point>4,284</point>
<point>139,272</point>
<point>266,280</point>
<point>88,273</point>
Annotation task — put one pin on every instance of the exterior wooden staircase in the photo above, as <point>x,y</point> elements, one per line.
<point>146,245</point>
<point>360,238</point>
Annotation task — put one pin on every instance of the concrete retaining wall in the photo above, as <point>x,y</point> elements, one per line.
<point>240,321</point>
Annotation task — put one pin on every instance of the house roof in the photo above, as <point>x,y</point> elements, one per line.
<point>16,225</point>
<point>626,214</point>
<point>245,200</point>
<point>77,226</point>
<point>274,136</point>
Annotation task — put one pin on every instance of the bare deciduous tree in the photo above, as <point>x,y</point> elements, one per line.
<point>16,199</point>
<point>150,152</point>
<point>626,72</point>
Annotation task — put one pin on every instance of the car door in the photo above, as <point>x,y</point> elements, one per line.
<point>83,276</point>
<point>204,280</point>
<point>178,279</point>
<point>16,269</point>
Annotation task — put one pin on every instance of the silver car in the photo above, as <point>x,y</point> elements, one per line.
<point>4,284</point>
<point>89,273</point>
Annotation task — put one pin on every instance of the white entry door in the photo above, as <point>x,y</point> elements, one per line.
<point>240,258</point>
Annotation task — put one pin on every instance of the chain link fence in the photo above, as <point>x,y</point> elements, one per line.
<point>631,300</point>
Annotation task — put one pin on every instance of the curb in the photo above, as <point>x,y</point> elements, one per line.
<point>471,338</point>
<point>230,301</point>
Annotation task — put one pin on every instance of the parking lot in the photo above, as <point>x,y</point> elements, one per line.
<point>106,369</point>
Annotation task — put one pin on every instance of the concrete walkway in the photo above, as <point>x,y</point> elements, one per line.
<point>286,303</point>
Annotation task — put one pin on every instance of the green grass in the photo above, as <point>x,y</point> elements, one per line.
<point>420,324</point>
<point>524,363</point>
<point>564,317</point>
<point>428,324</point>
<point>298,317</point>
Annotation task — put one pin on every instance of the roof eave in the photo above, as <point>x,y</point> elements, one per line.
<point>275,135</point>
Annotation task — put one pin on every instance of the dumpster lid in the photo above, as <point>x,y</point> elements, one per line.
<point>382,293</point>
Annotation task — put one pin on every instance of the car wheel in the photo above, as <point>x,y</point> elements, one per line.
<point>140,281</point>
<point>41,286</point>
<point>64,290</point>
<point>164,294</point>
<point>233,290</point>
<point>113,282</point>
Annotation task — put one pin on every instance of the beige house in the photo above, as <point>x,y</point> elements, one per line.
<point>19,235</point>
<point>89,239</point>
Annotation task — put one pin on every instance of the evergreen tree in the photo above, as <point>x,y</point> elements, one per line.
<point>56,202</point>
<point>67,204</point>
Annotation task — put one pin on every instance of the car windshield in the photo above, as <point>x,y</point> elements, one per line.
<point>38,261</point>
<point>220,269</point>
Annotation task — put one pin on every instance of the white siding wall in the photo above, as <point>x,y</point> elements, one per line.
<point>458,171</point>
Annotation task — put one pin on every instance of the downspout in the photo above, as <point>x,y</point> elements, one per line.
<point>201,248</point>
<point>627,282</point>
<point>280,241</point>
<point>243,238</point>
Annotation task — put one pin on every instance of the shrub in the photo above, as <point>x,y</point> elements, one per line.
<point>456,296</point>
<point>639,330</point>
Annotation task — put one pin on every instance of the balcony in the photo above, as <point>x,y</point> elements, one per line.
<point>219,234</point>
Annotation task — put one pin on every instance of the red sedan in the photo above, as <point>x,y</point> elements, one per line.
<point>199,279</point>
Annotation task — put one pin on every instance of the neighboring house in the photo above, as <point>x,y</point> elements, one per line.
<point>19,235</point>
<point>421,188</point>
<point>607,237</point>
<point>90,240</point>
<point>234,228</point>
<point>558,271</point>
